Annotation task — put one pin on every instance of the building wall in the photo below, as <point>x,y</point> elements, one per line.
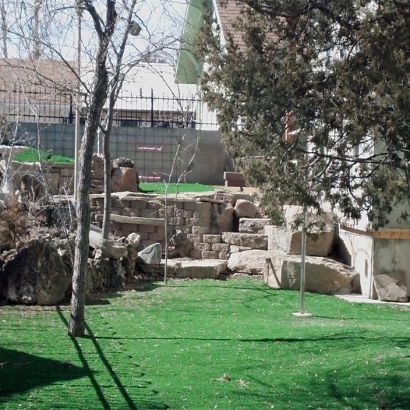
<point>153,150</point>
<point>392,255</point>
<point>357,251</point>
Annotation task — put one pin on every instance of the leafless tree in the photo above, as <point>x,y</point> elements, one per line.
<point>107,26</point>
<point>4,26</point>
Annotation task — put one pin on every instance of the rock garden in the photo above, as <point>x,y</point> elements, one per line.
<point>203,235</point>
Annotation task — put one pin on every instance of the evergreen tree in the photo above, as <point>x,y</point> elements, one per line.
<point>314,103</point>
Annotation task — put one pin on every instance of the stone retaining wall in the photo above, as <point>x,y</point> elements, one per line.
<point>145,215</point>
<point>57,177</point>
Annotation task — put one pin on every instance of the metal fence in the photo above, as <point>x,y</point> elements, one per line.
<point>41,105</point>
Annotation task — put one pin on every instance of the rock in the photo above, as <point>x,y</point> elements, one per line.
<point>224,219</point>
<point>227,197</point>
<point>322,275</point>
<point>105,248</point>
<point>124,179</point>
<point>122,163</point>
<point>35,274</point>
<point>251,262</point>
<point>151,255</point>
<point>236,248</point>
<point>95,236</point>
<point>254,241</point>
<point>134,238</point>
<point>253,225</point>
<point>96,186</point>
<point>391,287</point>
<point>286,239</point>
<point>110,250</point>
<point>245,209</point>
<point>130,262</point>
<point>182,245</point>
<point>106,273</point>
<point>97,166</point>
<point>195,269</point>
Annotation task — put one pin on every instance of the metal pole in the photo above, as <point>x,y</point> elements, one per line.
<point>302,312</point>
<point>78,104</point>
<point>303,264</point>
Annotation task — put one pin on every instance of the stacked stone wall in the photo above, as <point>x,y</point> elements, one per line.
<point>145,214</point>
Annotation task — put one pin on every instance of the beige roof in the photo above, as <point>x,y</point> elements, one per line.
<point>229,11</point>
<point>36,80</point>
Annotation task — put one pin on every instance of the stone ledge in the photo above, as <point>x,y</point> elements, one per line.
<point>137,220</point>
<point>182,268</point>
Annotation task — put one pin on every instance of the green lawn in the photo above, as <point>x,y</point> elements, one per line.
<point>33,155</point>
<point>160,187</point>
<point>207,345</point>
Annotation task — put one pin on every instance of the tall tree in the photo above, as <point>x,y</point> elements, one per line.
<point>106,26</point>
<point>98,96</point>
<point>313,101</point>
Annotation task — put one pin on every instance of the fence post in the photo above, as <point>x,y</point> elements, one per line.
<point>152,108</point>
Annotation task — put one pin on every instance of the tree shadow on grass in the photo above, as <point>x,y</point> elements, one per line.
<point>130,403</point>
<point>21,371</point>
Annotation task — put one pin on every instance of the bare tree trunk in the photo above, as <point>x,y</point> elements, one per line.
<point>36,28</point>
<point>76,324</point>
<point>4,28</point>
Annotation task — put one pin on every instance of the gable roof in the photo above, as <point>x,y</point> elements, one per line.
<point>227,12</point>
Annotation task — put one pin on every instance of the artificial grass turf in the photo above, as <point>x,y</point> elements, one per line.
<point>207,344</point>
<point>34,155</point>
<point>173,188</point>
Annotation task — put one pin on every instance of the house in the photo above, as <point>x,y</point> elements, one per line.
<point>370,252</point>
<point>188,68</point>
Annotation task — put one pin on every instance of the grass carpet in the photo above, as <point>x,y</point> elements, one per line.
<point>34,155</point>
<point>207,345</point>
<point>159,187</point>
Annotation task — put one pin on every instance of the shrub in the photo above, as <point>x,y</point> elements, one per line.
<point>13,223</point>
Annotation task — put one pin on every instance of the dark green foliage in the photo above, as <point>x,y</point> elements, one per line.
<point>335,73</point>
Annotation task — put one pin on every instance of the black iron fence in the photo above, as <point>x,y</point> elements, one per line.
<point>38,104</point>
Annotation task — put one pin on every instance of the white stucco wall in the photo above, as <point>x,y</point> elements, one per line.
<point>392,255</point>
<point>357,250</point>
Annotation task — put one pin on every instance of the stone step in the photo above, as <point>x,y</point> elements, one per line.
<point>188,268</point>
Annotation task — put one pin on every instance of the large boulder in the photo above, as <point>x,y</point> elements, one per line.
<point>122,163</point>
<point>251,262</point>
<point>253,225</point>
<point>35,274</point>
<point>245,209</point>
<point>322,275</point>
<point>288,239</point>
<point>151,255</point>
<point>97,166</point>
<point>106,273</point>
<point>124,179</point>
<point>391,287</point>
<point>181,244</point>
